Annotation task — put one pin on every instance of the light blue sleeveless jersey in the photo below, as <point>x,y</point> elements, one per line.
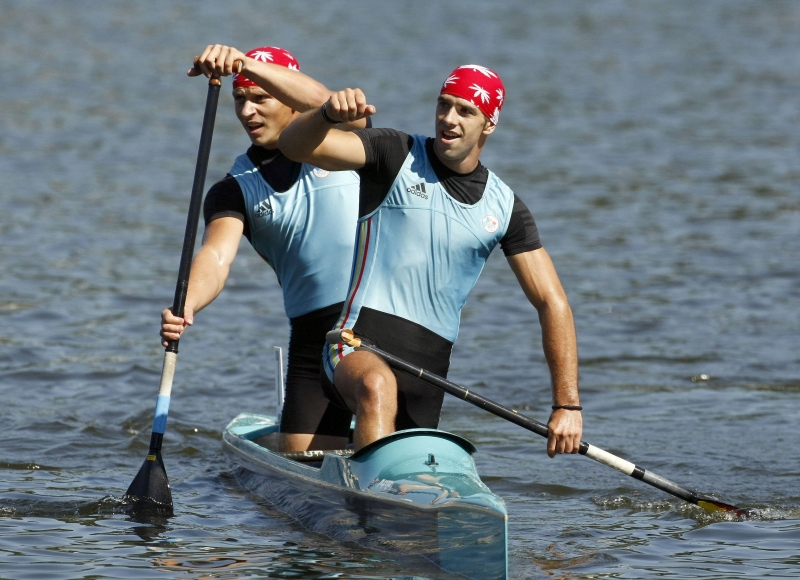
<point>419,254</point>
<point>305,233</point>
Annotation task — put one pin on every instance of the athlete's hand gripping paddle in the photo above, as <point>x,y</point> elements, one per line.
<point>708,503</point>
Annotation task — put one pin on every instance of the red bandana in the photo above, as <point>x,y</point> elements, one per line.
<point>270,54</point>
<point>480,86</point>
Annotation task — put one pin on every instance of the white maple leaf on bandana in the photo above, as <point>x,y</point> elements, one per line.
<point>500,95</point>
<point>450,80</point>
<point>292,66</point>
<point>481,69</point>
<point>495,116</point>
<point>479,90</point>
<point>287,55</point>
<point>262,55</point>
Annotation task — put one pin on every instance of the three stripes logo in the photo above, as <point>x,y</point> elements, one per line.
<point>418,189</point>
<point>263,209</point>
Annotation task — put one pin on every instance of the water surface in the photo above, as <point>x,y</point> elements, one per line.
<point>656,145</point>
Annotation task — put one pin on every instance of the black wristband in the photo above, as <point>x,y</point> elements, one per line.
<point>327,118</point>
<point>567,407</point>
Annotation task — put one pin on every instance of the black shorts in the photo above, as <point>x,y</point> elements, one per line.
<point>306,409</point>
<point>418,403</point>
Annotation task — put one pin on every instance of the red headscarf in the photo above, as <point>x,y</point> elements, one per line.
<point>270,54</point>
<point>480,86</point>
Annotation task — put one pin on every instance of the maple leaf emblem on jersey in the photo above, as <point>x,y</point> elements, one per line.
<point>480,91</point>
<point>262,55</point>
<point>481,69</point>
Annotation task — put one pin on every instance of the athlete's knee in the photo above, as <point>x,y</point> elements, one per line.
<point>377,390</point>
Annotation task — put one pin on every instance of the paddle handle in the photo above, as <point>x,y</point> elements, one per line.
<point>342,336</point>
<point>195,204</point>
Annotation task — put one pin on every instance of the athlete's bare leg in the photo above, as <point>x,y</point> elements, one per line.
<point>369,388</point>
<point>291,442</point>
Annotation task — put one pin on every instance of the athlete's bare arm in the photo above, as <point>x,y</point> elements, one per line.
<point>290,87</point>
<point>539,280</point>
<point>210,269</point>
<point>312,139</point>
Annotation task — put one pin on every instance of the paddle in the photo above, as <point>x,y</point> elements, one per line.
<point>710,504</point>
<point>149,491</point>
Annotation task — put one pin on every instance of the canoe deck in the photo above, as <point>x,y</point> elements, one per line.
<point>415,493</point>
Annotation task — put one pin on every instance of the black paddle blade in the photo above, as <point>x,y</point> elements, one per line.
<point>150,491</point>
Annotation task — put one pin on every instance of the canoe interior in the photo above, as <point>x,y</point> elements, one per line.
<point>415,493</point>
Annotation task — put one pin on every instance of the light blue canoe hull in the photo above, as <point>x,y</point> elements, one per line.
<point>414,493</point>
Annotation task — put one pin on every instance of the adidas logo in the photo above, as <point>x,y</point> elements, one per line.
<point>418,189</point>
<point>263,208</point>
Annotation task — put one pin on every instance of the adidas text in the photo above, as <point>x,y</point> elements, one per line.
<point>418,189</point>
<point>264,208</point>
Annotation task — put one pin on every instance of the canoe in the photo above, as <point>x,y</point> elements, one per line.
<point>414,493</point>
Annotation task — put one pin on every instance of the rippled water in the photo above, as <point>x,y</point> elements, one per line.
<point>656,144</point>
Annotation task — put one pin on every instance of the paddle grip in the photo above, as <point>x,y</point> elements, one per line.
<point>342,336</point>
<point>238,64</point>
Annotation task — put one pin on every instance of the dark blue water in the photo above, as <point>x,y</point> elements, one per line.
<point>657,146</point>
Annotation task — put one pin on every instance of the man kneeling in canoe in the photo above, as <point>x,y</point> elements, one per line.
<point>299,218</point>
<point>429,216</point>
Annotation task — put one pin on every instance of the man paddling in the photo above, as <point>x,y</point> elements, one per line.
<point>299,218</point>
<point>429,216</point>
